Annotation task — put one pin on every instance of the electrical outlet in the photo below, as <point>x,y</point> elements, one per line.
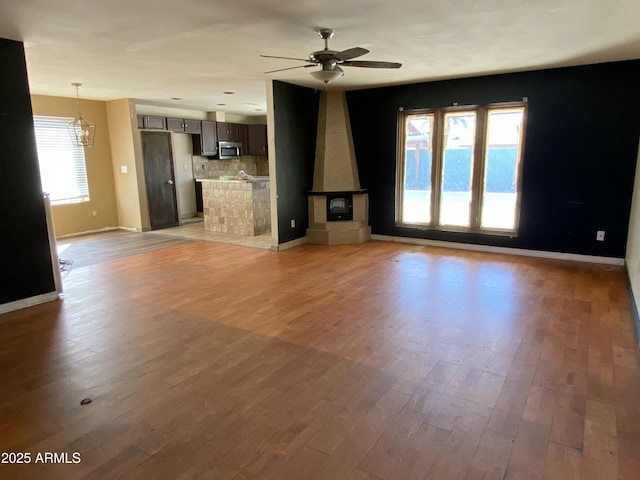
<point>293,223</point>
<point>600,235</point>
<point>123,169</point>
<point>95,213</point>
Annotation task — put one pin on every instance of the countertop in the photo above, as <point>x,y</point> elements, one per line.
<point>223,179</point>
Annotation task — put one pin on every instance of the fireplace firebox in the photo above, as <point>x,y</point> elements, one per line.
<point>339,207</point>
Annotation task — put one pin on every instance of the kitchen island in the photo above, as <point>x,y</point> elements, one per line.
<point>242,207</point>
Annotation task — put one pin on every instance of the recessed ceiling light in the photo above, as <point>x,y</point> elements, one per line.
<point>229,93</point>
<point>258,109</point>
<point>176,98</point>
<point>221,104</point>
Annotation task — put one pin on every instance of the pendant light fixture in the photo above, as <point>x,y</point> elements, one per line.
<point>82,132</point>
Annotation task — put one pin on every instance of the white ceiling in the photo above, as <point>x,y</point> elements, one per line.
<point>152,50</point>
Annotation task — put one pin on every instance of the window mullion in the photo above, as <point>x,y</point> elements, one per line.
<point>436,167</point>
<point>478,169</point>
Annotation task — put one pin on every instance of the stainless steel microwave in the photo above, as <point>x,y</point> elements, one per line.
<point>227,150</point>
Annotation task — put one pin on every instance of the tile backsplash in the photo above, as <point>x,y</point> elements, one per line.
<point>256,165</point>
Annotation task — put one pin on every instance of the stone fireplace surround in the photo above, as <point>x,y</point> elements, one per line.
<point>336,173</point>
<point>338,232</point>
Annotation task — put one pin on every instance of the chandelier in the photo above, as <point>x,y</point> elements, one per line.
<point>82,132</point>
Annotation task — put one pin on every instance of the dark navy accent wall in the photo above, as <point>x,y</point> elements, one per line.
<point>24,245</point>
<point>583,126</point>
<point>295,111</point>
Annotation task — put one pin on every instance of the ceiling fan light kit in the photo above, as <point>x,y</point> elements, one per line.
<point>331,60</point>
<point>328,73</point>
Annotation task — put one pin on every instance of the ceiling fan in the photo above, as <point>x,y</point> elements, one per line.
<point>332,60</point>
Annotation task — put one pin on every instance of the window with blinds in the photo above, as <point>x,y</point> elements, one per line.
<point>62,166</point>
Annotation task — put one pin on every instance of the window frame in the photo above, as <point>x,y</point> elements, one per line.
<point>479,162</point>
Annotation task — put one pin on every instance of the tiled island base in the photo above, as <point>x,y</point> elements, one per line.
<point>241,207</point>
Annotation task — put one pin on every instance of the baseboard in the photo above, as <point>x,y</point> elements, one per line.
<point>634,305</point>
<point>89,232</point>
<point>132,229</point>
<point>291,244</point>
<point>504,250</point>
<point>190,220</point>
<point>28,302</point>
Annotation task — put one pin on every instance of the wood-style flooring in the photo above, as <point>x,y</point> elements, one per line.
<point>378,361</point>
<point>84,250</point>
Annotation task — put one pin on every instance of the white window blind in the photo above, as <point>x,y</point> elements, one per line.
<point>62,166</point>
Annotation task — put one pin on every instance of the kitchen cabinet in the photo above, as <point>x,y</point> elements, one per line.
<point>243,136</point>
<point>192,126</point>
<point>184,125</point>
<point>154,122</point>
<point>175,125</point>
<point>223,130</point>
<point>257,140</point>
<point>206,144</point>
<point>231,132</point>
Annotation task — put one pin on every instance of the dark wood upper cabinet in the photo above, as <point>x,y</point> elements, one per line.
<point>231,132</point>
<point>155,122</point>
<point>175,125</point>
<point>206,144</point>
<point>223,131</point>
<point>207,134</point>
<point>257,140</point>
<point>192,126</point>
<point>183,125</point>
<point>243,136</point>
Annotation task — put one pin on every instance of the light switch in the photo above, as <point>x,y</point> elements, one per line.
<point>123,169</point>
<point>185,167</point>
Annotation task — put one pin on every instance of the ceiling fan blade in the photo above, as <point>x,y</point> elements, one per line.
<point>290,68</point>
<point>350,53</point>
<point>371,64</point>
<point>288,58</point>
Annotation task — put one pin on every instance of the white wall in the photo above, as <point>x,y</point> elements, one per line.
<point>633,243</point>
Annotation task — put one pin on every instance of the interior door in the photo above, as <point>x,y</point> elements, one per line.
<point>159,178</point>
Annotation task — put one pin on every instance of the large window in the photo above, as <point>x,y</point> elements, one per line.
<point>62,167</point>
<point>459,168</point>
